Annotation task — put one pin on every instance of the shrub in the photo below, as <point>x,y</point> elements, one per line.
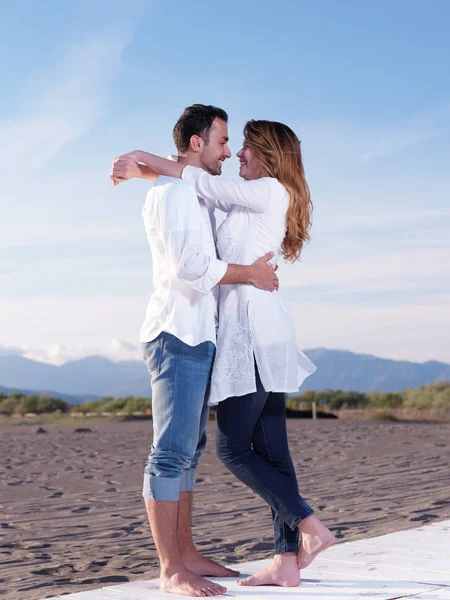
<point>433,396</point>
<point>47,404</point>
<point>28,404</point>
<point>113,404</point>
<point>8,406</point>
<point>385,399</point>
<point>137,404</point>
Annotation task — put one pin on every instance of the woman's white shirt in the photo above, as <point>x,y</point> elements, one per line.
<point>253,324</point>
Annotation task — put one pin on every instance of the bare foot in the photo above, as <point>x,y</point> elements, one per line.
<point>186,583</point>
<point>201,565</point>
<point>283,572</point>
<point>315,539</point>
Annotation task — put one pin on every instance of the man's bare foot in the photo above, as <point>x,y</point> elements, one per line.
<point>315,539</point>
<point>201,565</point>
<point>186,583</point>
<point>283,572</point>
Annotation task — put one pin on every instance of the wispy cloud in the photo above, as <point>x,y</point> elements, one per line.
<point>413,131</point>
<point>399,332</point>
<point>343,143</point>
<point>379,272</point>
<point>77,322</point>
<point>70,97</point>
<point>60,234</point>
<point>58,354</point>
<point>372,219</point>
<point>414,333</point>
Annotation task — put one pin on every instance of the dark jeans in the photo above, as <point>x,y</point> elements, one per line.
<point>252,443</point>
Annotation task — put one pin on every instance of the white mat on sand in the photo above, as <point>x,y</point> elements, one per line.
<point>407,564</point>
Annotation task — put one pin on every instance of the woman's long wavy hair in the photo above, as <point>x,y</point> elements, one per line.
<point>278,150</point>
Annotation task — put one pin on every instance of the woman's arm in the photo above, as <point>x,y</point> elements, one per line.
<point>224,193</point>
<point>125,167</point>
<point>254,194</point>
<point>140,165</point>
<point>144,165</point>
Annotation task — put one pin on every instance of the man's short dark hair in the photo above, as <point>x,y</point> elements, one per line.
<point>196,120</point>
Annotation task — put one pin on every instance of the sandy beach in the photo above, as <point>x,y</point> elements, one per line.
<point>72,517</point>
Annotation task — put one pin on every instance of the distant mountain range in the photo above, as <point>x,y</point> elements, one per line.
<point>98,376</point>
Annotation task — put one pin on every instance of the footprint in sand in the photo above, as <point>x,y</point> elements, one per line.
<point>88,565</point>
<point>425,518</point>
<point>34,545</point>
<point>109,579</point>
<point>56,495</point>
<point>60,570</point>
<point>81,509</point>
<point>338,531</point>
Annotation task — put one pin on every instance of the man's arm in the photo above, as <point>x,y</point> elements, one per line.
<point>260,274</point>
<point>188,260</point>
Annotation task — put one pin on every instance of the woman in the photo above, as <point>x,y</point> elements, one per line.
<point>257,360</point>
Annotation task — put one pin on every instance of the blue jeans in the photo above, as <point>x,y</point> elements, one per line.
<point>180,377</point>
<point>252,443</point>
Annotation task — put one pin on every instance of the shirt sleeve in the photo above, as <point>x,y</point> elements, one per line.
<point>254,194</point>
<point>181,231</point>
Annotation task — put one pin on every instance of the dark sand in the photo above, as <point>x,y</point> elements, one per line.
<point>72,517</point>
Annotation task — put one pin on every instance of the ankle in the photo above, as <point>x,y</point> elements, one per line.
<point>188,551</point>
<point>285,558</point>
<point>311,526</point>
<point>169,569</point>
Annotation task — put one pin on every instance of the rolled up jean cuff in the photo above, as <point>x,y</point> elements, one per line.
<point>187,481</point>
<point>161,488</point>
<point>295,523</point>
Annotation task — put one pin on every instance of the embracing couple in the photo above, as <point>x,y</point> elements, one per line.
<point>216,332</point>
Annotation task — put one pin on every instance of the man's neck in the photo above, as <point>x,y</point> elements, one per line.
<point>190,160</point>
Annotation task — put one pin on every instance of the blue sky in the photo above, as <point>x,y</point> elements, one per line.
<point>365,85</point>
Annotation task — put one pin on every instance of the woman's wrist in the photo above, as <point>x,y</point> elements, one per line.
<point>139,156</point>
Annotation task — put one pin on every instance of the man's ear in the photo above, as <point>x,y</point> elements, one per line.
<point>196,143</point>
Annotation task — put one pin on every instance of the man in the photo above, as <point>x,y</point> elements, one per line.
<point>178,337</point>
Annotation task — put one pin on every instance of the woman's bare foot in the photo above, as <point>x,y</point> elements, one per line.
<point>283,572</point>
<point>315,539</point>
<point>201,565</point>
<point>185,583</point>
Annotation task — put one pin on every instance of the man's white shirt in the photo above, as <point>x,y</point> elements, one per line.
<point>180,229</point>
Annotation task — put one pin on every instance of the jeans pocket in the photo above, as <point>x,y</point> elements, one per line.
<point>153,354</point>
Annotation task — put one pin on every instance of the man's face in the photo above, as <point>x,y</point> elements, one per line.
<point>216,150</point>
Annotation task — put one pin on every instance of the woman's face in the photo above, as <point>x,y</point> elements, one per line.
<point>250,165</point>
